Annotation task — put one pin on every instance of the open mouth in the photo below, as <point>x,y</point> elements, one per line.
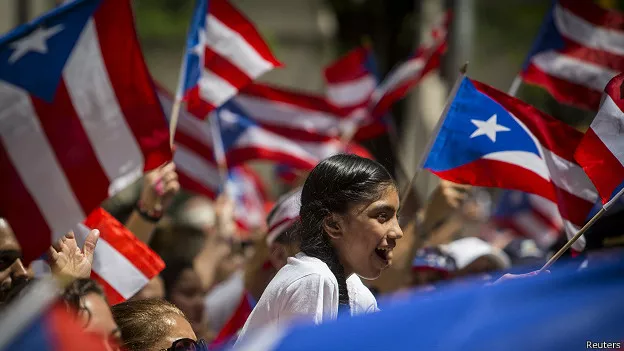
<point>383,253</point>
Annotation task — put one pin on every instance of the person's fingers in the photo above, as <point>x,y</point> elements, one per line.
<point>52,254</point>
<point>171,188</point>
<point>90,243</point>
<point>170,177</point>
<point>69,235</point>
<point>168,168</point>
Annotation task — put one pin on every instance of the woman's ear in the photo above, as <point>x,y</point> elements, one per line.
<point>333,226</point>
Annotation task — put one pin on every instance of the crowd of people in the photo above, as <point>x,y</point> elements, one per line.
<point>330,247</point>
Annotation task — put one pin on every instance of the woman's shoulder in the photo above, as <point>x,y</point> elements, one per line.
<point>302,268</point>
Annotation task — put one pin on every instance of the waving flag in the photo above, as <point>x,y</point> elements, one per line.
<point>245,187</point>
<point>406,75</point>
<point>351,81</point>
<point>260,138</point>
<point>579,49</point>
<point>601,152</point>
<point>122,264</point>
<point>80,119</point>
<point>224,53</point>
<point>489,138</point>
<point>537,313</point>
<point>530,216</point>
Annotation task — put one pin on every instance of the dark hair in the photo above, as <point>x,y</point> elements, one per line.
<point>142,322</point>
<point>77,290</point>
<point>332,187</point>
<point>172,273</point>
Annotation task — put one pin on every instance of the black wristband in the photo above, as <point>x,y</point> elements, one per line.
<point>145,215</point>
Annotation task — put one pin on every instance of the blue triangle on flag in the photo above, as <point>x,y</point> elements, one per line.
<point>233,122</point>
<point>33,55</point>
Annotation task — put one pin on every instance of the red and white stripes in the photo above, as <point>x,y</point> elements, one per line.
<point>601,152</point>
<point>60,160</point>
<point>122,264</point>
<point>231,54</point>
<point>406,75</point>
<point>592,52</point>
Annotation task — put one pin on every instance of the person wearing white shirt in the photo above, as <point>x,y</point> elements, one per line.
<point>348,227</point>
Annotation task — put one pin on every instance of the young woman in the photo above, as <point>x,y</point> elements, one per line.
<point>348,228</point>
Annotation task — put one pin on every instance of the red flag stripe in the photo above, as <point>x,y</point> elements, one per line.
<point>17,203</point>
<point>112,295</point>
<point>72,148</point>
<point>236,21</point>
<point>130,76</point>
<point>225,69</point>
<point>595,14</point>
<point>563,90</point>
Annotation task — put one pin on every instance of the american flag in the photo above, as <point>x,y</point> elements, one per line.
<point>579,49</point>
<point>80,118</point>
<point>224,53</point>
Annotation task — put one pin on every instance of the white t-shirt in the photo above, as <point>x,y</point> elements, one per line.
<point>305,289</point>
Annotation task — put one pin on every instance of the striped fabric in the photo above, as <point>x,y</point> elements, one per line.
<point>224,53</point>
<point>579,49</point>
<point>409,73</point>
<point>66,149</point>
<point>601,151</point>
<point>122,264</point>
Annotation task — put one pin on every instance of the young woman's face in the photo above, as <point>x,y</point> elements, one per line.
<point>369,232</point>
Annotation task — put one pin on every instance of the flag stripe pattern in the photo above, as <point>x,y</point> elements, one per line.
<point>530,216</point>
<point>96,133</point>
<point>601,152</point>
<point>409,73</point>
<point>509,144</point>
<point>225,52</point>
<point>580,48</point>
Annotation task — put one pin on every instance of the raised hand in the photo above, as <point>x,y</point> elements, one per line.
<point>159,187</point>
<point>68,261</point>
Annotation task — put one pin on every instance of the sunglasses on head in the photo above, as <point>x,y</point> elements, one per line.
<point>187,344</point>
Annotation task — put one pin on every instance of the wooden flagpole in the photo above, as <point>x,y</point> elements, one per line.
<point>515,86</point>
<point>582,231</point>
<point>173,120</point>
<point>425,153</point>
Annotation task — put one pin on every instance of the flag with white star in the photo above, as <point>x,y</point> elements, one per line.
<point>489,138</point>
<point>80,119</point>
<point>224,53</point>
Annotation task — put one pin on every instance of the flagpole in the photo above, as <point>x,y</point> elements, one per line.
<point>515,86</point>
<point>582,231</point>
<point>436,130</point>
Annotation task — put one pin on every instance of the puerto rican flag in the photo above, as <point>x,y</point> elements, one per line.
<point>409,73</point>
<point>246,139</point>
<point>601,152</point>
<point>122,264</point>
<point>489,138</point>
<point>530,216</point>
<point>245,187</point>
<point>351,81</point>
<point>80,119</point>
<point>580,47</point>
<point>224,53</point>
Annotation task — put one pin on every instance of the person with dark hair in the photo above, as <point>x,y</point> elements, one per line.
<point>183,288</point>
<point>86,298</point>
<point>348,228</point>
<point>155,324</point>
<point>13,275</point>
